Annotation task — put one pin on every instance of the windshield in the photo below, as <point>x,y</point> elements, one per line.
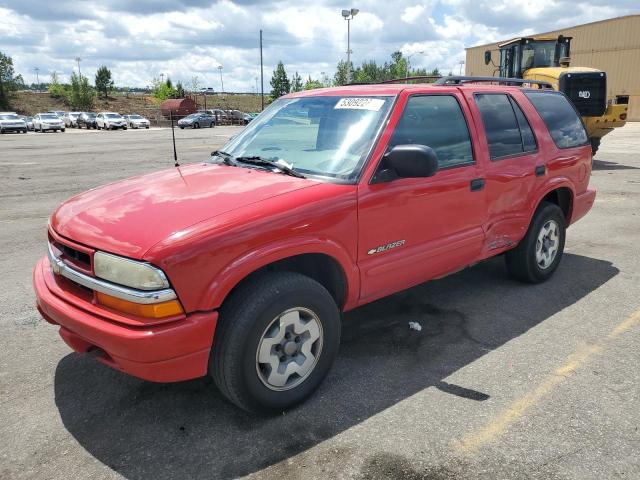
<point>49,116</point>
<point>9,117</point>
<point>112,115</point>
<point>135,117</point>
<point>90,115</point>
<point>326,136</point>
<point>538,54</point>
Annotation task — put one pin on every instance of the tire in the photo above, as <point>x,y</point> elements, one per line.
<point>196,125</point>
<point>595,144</point>
<point>62,130</point>
<point>211,125</point>
<point>246,322</point>
<point>528,262</point>
<point>124,128</point>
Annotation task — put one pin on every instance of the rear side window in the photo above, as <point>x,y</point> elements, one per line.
<point>438,122</point>
<point>560,117</point>
<point>507,130</point>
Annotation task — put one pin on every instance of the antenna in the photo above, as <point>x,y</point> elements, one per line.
<point>173,136</point>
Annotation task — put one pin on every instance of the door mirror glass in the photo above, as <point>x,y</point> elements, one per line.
<point>408,161</point>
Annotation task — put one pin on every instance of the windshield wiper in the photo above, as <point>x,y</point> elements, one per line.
<point>280,164</point>
<point>227,158</point>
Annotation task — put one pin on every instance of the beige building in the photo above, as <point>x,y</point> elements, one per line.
<point>610,45</point>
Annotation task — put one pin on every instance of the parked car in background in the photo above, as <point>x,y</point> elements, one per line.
<point>28,121</point>
<point>247,117</point>
<point>110,121</point>
<point>207,91</point>
<point>71,119</point>
<point>11,122</point>
<point>137,121</point>
<point>236,116</point>
<point>87,120</point>
<point>43,122</point>
<point>197,120</point>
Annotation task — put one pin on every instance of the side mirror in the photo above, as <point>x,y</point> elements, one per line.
<point>408,161</point>
<point>487,57</point>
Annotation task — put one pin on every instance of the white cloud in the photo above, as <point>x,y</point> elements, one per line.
<point>184,38</point>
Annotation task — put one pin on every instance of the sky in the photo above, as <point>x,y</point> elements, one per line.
<point>182,39</point>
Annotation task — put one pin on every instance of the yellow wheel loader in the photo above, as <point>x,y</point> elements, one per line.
<point>547,59</point>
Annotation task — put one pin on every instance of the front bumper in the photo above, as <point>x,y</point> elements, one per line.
<point>13,128</point>
<point>167,352</point>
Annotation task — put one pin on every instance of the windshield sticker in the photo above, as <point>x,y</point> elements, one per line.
<point>373,104</point>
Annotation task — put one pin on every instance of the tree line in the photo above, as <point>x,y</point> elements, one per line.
<point>368,72</point>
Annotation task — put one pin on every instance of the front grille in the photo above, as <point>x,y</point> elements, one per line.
<point>71,255</point>
<point>587,91</point>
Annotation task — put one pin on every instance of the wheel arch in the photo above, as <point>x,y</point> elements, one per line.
<point>324,262</point>
<point>561,194</point>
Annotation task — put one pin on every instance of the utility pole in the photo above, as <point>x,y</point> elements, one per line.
<point>261,75</point>
<point>221,82</point>
<point>461,64</point>
<point>78,59</point>
<point>37,70</point>
<point>162,78</point>
<point>348,16</point>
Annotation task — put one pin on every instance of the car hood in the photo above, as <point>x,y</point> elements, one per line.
<point>130,216</point>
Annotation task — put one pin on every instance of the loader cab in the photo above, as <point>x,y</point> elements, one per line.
<point>521,54</point>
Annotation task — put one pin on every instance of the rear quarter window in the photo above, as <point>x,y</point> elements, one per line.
<point>560,117</point>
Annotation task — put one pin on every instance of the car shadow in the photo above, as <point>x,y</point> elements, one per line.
<point>145,430</point>
<point>605,165</point>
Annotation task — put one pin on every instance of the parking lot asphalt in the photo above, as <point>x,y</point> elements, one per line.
<point>504,380</point>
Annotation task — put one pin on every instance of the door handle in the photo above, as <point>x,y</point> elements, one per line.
<point>540,170</point>
<point>477,184</point>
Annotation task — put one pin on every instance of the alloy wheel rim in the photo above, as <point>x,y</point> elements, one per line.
<point>547,244</point>
<point>289,349</point>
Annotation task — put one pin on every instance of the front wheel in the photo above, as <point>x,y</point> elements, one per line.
<point>277,338</point>
<point>539,253</point>
<point>196,125</point>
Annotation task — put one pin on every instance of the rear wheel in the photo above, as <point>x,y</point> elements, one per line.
<point>595,144</point>
<point>276,340</point>
<point>539,253</point>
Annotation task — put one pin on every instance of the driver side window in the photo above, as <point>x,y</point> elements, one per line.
<point>438,122</point>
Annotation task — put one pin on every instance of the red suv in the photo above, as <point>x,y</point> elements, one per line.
<point>239,267</point>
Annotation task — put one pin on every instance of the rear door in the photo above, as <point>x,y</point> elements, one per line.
<point>513,163</point>
<point>415,229</point>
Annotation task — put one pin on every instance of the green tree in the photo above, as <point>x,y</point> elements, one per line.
<point>104,83</point>
<point>310,84</point>
<point>341,76</point>
<point>179,90</point>
<point>9,82</point>
<point>81,95</point>
<point>163,90</point>
<point>279,82</point>
<point>296,83</point>
<point>56,89</point>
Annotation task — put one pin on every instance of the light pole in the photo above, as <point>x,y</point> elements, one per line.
<point>348,16</point>
<point>162,78</point>
<point>461,62</point>
<point>221,83</point>
<point>421,52</point>
<point>37,70</point>
<point>78,59</point>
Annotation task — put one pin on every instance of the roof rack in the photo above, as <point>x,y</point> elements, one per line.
<point>459,80</point>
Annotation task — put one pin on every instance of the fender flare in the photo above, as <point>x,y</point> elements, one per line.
<point>551,185</point>
<point>241,267</point>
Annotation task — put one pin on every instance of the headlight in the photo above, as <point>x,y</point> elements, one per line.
<point>128,272</point>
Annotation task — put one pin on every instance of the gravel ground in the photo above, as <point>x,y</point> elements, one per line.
<point>504,381</point>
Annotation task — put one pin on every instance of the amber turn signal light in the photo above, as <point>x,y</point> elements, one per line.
<point>153,310</point>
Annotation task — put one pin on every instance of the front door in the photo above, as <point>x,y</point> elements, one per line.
<point>415,229</point>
